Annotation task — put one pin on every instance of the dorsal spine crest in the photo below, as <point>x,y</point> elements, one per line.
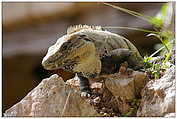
<point>79,27</point>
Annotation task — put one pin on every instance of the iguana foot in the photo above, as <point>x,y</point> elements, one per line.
<point>85,94</point>
<point>84,86</point>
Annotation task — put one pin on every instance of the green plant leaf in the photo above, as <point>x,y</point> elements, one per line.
<point>159,20</point>
<point>166,37</point>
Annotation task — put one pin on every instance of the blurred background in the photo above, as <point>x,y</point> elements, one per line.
<point>30,28</point>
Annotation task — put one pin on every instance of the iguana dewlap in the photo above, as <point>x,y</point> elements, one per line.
<point>89,51</point>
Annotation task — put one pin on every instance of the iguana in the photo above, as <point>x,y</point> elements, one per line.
<point>89,51</point>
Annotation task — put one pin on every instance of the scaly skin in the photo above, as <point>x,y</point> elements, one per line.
<point>89,51</point>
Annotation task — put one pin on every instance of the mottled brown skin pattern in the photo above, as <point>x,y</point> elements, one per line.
<point>90,52</point>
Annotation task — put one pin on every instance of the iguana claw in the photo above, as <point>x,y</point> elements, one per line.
<point>85,94</point>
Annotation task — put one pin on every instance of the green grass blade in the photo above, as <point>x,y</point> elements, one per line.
<point>130,28</point>
<point>136,14</point>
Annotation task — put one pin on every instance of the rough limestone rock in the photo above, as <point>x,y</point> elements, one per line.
<point>170,115</point>
<point>125,87</point>
<point>112,96</point>
<point>49,99</point>
<point>158,97</point>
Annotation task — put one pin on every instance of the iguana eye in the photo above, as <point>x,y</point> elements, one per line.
<point>81,36</point>
<point>87,39</point>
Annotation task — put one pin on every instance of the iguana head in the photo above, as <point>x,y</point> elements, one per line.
<point>74,51</point>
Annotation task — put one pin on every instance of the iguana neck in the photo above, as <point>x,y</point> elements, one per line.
<point>90,67</point>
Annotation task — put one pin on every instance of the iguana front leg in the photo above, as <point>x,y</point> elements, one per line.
<point>84,86</point>
<point>111,62</point>
<point>135,61</point>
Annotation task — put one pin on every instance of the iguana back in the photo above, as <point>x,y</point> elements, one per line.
<point>105,42</point>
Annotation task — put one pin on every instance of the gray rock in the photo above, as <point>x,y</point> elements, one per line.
<point>170,115</point>
<point>55,98</point>
<point>125,88</point>
<point>52,98</point>
<point>158,97</point>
